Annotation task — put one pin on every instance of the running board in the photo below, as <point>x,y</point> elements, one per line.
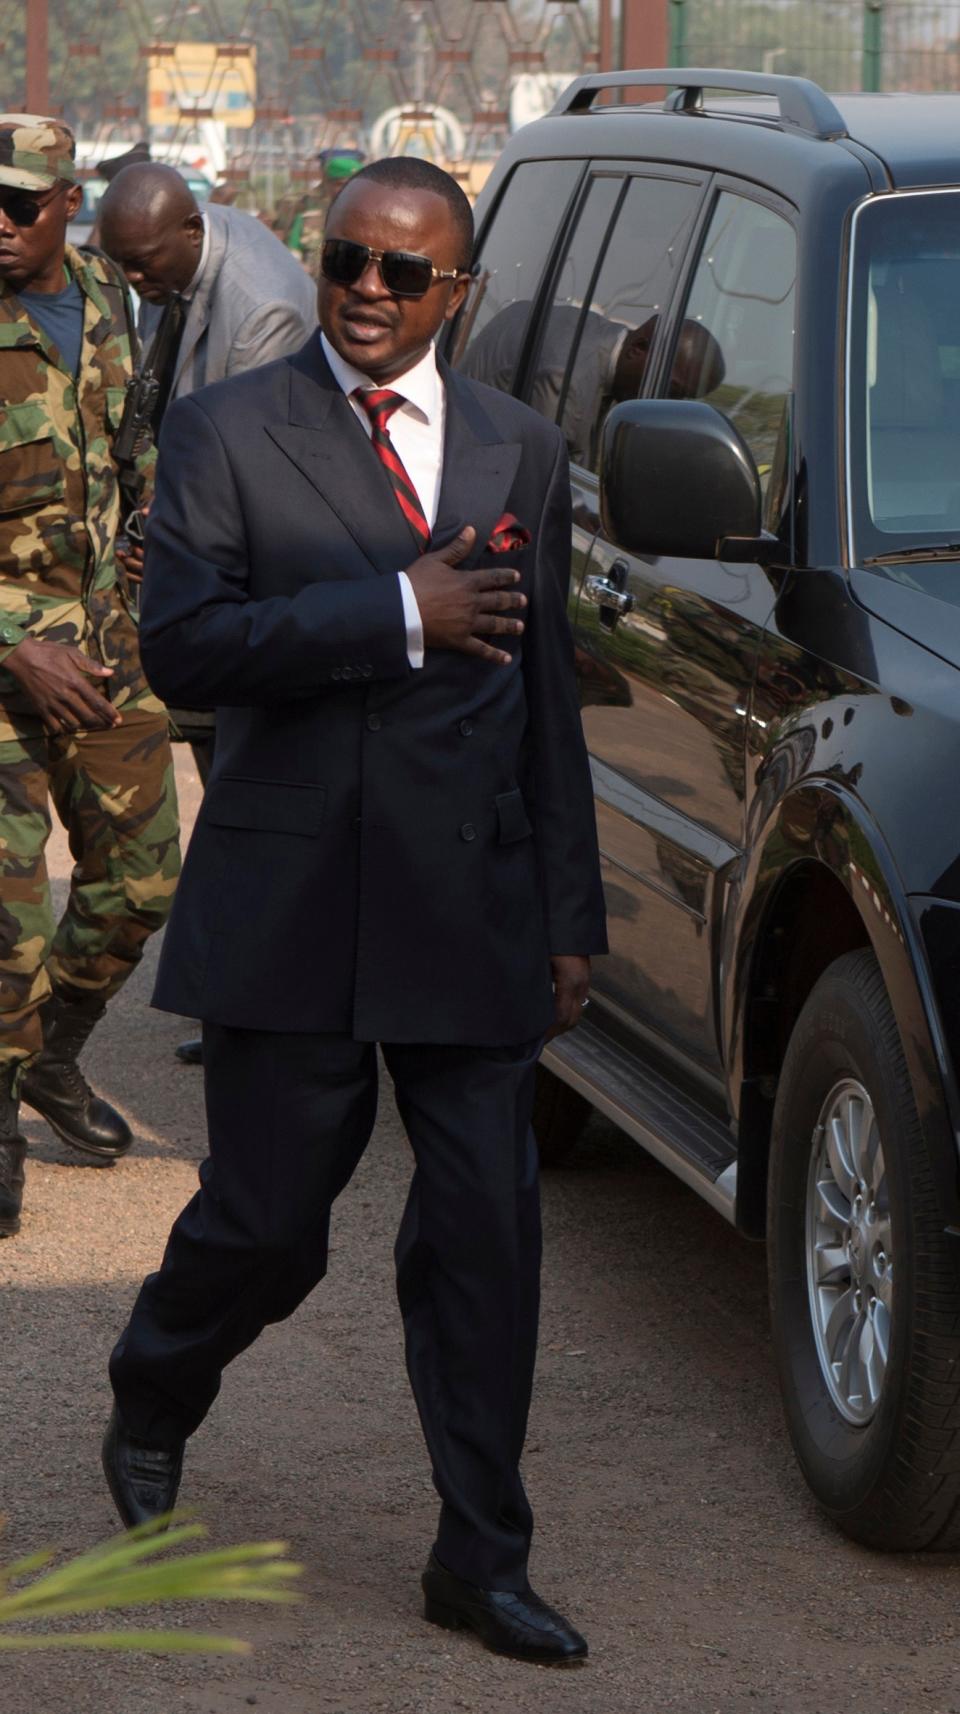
<point>668,1122</point>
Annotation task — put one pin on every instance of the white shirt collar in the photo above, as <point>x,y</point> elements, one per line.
<point>420,386</point>
<point>204,254</point>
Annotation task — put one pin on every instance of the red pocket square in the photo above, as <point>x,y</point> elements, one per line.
<point>507,535</point>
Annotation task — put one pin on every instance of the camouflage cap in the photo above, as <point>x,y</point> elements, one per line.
<point>35,153</point>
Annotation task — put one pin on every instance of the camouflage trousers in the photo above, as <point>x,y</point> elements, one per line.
<point>114,793</point>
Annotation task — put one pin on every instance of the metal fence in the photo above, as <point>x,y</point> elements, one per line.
<point>456,75</point>
<point>328,70</point>
<point>841,44</point>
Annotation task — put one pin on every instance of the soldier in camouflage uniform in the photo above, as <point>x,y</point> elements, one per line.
<point>301,217</point>
<point>78,722</point>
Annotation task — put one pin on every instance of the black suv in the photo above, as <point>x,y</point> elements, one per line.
<point>745,315</point>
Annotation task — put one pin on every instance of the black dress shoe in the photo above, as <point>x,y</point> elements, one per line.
<point>143,1480</point>
<point>512,1622</point>
<point>190,1052</point>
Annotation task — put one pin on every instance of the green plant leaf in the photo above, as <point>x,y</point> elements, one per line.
<point>141,1568</point>
<point>160,1642</point>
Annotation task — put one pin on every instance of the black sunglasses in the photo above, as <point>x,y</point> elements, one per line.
<point>25,209</point>
<point>403,273</point>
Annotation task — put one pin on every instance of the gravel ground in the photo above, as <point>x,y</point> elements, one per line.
<point>673,1524</point>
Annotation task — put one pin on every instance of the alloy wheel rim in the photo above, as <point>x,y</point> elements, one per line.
<point>849,1252</point>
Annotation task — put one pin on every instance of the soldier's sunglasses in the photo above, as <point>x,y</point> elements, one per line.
<point>25,209</point>
<point>403,273</point>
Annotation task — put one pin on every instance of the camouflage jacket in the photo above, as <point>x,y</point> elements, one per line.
<point>59,496</point>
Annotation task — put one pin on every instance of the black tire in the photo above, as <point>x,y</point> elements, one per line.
<point>560,1117</point>
<point>892,1481</point>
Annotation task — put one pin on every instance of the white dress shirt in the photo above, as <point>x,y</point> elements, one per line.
<point>416,429</point>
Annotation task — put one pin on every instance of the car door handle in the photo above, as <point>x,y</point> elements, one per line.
<point>608,595</point>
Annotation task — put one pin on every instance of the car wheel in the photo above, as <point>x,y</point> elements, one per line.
<point>560,1116</point>
<point>864,1282</point>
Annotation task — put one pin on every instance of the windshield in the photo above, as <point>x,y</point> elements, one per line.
<point>904,375</point>
<point>93,190</point>
<point>199,184</point>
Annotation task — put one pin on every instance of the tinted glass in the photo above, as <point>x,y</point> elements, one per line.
<point>571,301</point>
<point>904,403</point>
<point>735,345</point>
<point>200,185</point>
<point>93,190</point>
<point>515,251</point>
<point>635,282</point>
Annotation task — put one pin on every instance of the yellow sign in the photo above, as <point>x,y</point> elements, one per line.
<point>190,81</point>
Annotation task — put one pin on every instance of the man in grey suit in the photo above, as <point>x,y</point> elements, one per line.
<point>246,301</point>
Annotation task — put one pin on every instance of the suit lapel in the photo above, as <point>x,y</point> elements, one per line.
<point>325,441</point>
<point>198,310</point>
<point>323,438</point>
<point>478,468</point>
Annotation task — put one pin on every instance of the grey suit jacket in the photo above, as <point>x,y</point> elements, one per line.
<point>254,303</point>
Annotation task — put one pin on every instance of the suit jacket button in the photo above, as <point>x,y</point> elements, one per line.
<point>373,722</point>
<point>367,671</point>
<point>346,672</point>
<point>468,831</point>
<point>466,728</point>
<point>335,673</point>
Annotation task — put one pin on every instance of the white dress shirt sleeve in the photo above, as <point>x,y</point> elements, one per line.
<point>413,622</point>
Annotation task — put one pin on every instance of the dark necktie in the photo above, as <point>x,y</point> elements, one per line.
<point>380,404</point>
<point>163,353</point>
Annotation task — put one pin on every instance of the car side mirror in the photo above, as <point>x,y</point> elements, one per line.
<point>677,479</point>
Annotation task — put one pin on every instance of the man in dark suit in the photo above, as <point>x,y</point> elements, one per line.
<point>397,845</point>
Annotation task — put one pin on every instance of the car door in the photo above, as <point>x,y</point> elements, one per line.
<point>674,643</point>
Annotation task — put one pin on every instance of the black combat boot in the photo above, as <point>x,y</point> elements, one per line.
<point>54,1085</point>
<point>12,1150</point>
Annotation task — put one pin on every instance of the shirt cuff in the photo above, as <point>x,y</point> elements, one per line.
<point>411,618</point>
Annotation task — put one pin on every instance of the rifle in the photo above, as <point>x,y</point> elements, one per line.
<point>147,394</point>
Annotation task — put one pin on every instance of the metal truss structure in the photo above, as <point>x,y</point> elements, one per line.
<point>446,71</point>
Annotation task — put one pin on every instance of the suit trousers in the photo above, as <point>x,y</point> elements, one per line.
<point>289,1117</point>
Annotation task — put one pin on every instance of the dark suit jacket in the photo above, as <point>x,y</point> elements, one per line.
<point>381,851</point>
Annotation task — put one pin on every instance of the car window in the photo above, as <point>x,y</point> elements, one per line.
<point>93,190</point>
<point>634,283</point>
<point>515,252</point>
<point>904,406</point>
<point>571,306</point>
<point>494,354</point>
<point>734,347</point>
<point>200,186</point>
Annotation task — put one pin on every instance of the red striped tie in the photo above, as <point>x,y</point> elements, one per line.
<point>380,404</point>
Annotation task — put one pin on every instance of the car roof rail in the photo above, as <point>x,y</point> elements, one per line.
<point>803,105</point>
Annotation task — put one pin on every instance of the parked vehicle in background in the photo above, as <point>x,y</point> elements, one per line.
<point>745,316</point>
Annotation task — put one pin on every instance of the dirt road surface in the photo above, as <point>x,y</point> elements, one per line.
<point>673,1524</point>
